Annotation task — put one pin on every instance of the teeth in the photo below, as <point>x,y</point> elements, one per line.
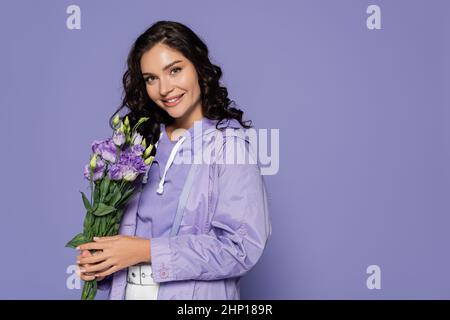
<point>173,100</point>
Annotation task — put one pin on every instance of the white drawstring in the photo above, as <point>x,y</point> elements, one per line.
<point>169,163</point>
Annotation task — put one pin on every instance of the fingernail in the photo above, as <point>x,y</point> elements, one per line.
<point>83,270</point>
<point>78,261</point>
<point>77,248</point>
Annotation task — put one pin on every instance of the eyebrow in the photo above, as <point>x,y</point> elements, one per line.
<point>165,68</point>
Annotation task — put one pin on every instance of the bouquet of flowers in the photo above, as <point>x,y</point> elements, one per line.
<point>115,164</point>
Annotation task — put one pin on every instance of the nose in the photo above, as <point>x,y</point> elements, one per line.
<point>165,87</point>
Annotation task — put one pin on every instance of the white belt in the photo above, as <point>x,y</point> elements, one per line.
<point>141,274</point>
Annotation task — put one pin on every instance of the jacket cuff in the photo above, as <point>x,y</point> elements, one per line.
<point>161,260</point>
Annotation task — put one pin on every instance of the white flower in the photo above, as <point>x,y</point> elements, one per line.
<point>119,137</point>
<point>130,175</point>
<point>137,138</point>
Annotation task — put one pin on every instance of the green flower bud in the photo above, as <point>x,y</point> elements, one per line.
<point>116,120</point>
<point>144,143</point>
<point>149,160</point>
<point>93,162</point>
<point>127,122</point>
<point>148,151</point>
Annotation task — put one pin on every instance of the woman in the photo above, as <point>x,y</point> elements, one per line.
<point>195,228</point>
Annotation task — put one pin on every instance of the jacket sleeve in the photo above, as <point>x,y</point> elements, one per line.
<point>240,228</point>
<point>105,284</point>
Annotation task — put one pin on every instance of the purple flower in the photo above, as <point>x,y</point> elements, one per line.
<point>98,171</point>
<point>138,149</point>
<point>106,149</point>
<point>129,166</point>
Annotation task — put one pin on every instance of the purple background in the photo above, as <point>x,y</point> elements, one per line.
<point>364,135</point>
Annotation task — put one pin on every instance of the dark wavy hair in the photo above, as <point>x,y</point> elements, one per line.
<point>215,102</point>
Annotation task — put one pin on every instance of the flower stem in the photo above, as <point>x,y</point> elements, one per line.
<point>90,184</point>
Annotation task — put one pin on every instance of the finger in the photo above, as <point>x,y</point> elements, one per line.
<point>100,239</point>
<point>87,278</point>
<point>83,276</point>
<point>94,273</point>
<point>107,272</point>
<point>86,253</point>
<point>93,259</point>
<point>83,271</point>
<point>92,246</point>
<point>98,267</point>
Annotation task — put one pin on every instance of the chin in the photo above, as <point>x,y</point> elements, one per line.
<point>175,113</point>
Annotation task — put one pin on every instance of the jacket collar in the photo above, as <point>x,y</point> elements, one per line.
<point>204,126</point>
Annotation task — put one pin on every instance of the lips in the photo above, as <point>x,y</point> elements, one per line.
<point>171,98</point>
<point>174,103</point>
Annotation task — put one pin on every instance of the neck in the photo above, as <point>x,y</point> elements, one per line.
<point>187,120</point>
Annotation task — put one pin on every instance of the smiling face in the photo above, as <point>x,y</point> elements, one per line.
<point>167,74</point>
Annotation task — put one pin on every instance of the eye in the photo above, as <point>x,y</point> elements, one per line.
<point>176,68</point>
<point>148,78</point>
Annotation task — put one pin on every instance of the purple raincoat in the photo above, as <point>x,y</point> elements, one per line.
<point>223,228</point>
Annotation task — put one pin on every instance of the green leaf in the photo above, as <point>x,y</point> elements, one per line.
<point>112,186</point>
<point>88,220</point>
<point>104,186</point>
<point>86,203</point>
<point>88,235</point>
<point>89,290</point>
<point>117,195</point>
<point>112,194</point>
<point>126,196</point>
<point>95,226</point>
<point>103,210</point>
<point>76,241</point>
<point>102,230</point>
<point>108,198</point>
<point>96,193</point>
<point>119,215</point>
<point>116,228</point>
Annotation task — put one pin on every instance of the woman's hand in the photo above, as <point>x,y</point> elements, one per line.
<point>116,253</point>
<point>83,275</point>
